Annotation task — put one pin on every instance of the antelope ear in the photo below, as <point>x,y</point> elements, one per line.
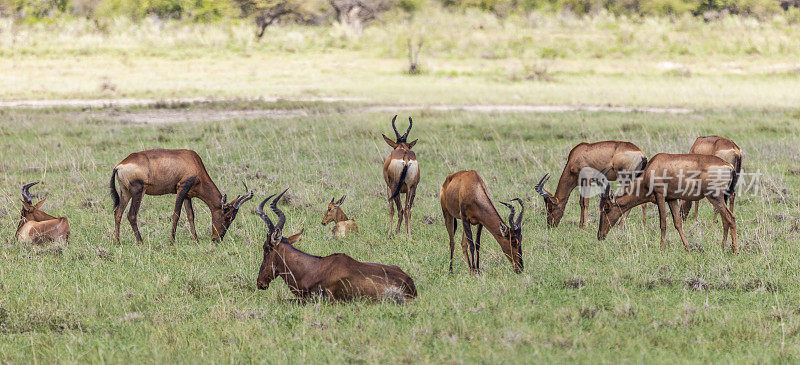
<point>391,143</point>
<point>296,237</point>
<point>339,203</point>
<point>410,145</point>
<point>39,204</point>
<point>503,230</point>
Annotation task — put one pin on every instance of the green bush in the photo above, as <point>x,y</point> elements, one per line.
<point>213,10</point>
<point>411,6</point>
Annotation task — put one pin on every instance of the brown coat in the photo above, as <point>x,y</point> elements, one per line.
<point>620,159</point>
<point>669,178</point>
<point>335,277</point>
<point>180,172</point>
<point>463,196</point>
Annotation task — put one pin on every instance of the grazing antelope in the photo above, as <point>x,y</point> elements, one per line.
<point>401,173</point>
<point>181,172</point>
<point>624,160</point>
<point>36,226</point>
<point>342,225</point>
<point>335,277</point>
<point>723,148</point>
<point>668,178</point>
<point>464,196</point>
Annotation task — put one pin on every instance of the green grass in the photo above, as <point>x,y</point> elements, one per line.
<point>577,300</point>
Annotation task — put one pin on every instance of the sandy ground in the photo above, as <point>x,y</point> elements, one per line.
<point>108,109</point>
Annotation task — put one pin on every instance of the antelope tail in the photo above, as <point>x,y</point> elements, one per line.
<point>400,181</point>
<point>113,187</point>
<point>737,168</point>
<point>640,169</point>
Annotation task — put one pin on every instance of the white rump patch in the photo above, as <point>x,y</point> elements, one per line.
<point>394,294</point>
<point>413,170</point>
<point>24,234</point>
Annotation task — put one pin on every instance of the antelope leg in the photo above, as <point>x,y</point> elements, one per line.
<point>677,221</point>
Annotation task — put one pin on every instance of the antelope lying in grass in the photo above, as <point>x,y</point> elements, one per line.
<point>723,148</point>
<point>624,160</point>
<point>181,172</point>
<point>334,277</point>
<point>664,181</point>
<point>401,173</point>
<point>36,226</point>
<point>342,225</point>
<point>464,196</point>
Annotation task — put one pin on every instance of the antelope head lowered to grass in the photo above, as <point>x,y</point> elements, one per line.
<point>401,173</point>
<point>723,148</point>
<point>36,226</point>
<point>621,159</point>
<point>334,277</point>
<point>669,178</point>
<point>342,225</point>
<point>181,172</point>
<point>464,196</point>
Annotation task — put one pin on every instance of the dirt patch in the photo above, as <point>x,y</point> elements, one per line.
<point>531,108</point>
<point>170,115</point>
<point>132,102</point>
<point>165,116</point>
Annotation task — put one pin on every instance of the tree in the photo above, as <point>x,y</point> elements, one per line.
<point>354,13</point>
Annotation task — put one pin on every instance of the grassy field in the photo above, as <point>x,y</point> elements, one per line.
<point>577,300</point>
<point>466,58</point>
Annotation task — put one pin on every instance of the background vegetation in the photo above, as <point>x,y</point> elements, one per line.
<point>324,12</point>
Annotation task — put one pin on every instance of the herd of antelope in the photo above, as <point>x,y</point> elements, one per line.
<point>463,197</point>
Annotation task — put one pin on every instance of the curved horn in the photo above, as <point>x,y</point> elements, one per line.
<point>396,133</point>
<point>242,199</point>
<point>264,216</point>
<point>510,216</point>
<point>521,212</point>
<point>274,207</point>
<point>540,186</point>
<point>410,124</point>
<point>26,194</point>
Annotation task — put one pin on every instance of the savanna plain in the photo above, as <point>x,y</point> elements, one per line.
<point>578,300</point>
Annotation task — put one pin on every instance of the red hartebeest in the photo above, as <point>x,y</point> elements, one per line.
<point>624,160</point>
<point>401,173</point>
<point>668,178</point>
<point>342,225</point>
<point>464,196</point>
<point>36,226</point>
<point>723,148</point>
<point>181,172</point>
<point>335,277</point>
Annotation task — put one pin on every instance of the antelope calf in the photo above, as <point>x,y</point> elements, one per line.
<point>36,226</point>
<point>669,178</point>
<point>335,277</point>
<point>723,148</point>
<point>463,196</point>
<point>621,159</point>
<point>181,172</point>
<point>401,173</point>
<point>342,225</point>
